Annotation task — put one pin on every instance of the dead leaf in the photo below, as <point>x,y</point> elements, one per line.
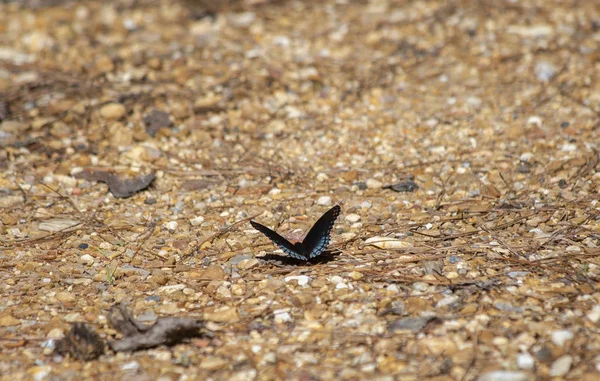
<point>119,187</point>
<point>166,331</point>
<point>81,342</point>
<point>156,120</point>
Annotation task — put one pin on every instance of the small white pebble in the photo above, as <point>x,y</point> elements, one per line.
<point>302,279</point>
<point>535,121</point>
<point>561,337</point>
<point>352,217</point>
<point>322,177</point>
<point>336,279</point>
<point>420,286</point>
<point>55,333</point>
<point>105,245</point>
<point>525,361</point>
<point>274,191</point>
<point>341,285</point>
<point>131,366</point>
<point>374,184</point>
<point>171,226</point>
<point>594,314</point>
<point>196,221</point>
<point>393,288</point>
<point>561,366</point>
<point>526,156</point>
<point>447,301</point>
<point>87,259</point>
<point>282,316</point>
<point>324,200</point>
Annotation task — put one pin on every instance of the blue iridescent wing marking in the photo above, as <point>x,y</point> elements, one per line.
<point>316,240</point>
<point>318,237</point>
<point>294,251</point>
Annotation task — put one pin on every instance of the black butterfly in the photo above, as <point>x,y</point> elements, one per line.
<point>316,240</point>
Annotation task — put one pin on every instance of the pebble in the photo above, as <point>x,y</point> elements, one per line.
<point>87,259</point>
<point>168,309</point>
<point>8,321</point>
<point>355,275</point>
<point>39,373</point>
<point>413,324</point>
<point>172,226</point>
<point>341,285</point>
<point>535,121</point>
<point>105,245</point>
<point>452,275</point>
<point>324,200</point>
<point>248,264</point>
<point>131,366</point>
<point>504,375</point>
<point>112,111</point>
<point>352,218</point>
<point>224,314</point>
<point>55,333</point>
<point>568,147</point>
<point>525,361</point>
<point>282,316</point>
<point>213,363</point>
<point>65,297</point>
<point>517,274</point>
<point>10,201</point>
<point>224,291</point>
<point>197,221</point>
<point>447,301</point>
<point>594,314</point>
<point>387,243</point>
<point>322,177</point>
<point>561,366</point>
<point>336,279</point>
<point>561,337</point>
<point>57,224</point>
<point>214,272</point>
<point>544,71</point>
<point>239,258</point>
<point>374,184</point>
<point>420,286</point>
<point>302,280</point>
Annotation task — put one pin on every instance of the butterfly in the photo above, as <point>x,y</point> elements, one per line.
<point>315,242</point>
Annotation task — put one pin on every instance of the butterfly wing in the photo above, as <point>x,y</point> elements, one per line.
<point>318,238</point>
<point>285,245</point>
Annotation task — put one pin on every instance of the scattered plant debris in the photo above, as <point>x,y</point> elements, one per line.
<point>81,342</point>
<point>166,331</point>
<point>119,187</point>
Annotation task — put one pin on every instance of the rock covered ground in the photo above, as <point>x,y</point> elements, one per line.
<point>481,262</point>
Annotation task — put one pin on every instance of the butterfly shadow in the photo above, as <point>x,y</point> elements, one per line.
<point>325,257</point>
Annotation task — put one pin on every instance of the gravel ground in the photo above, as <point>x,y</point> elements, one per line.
<point>460,138</point>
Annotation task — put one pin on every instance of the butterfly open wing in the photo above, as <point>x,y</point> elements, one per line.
<point>285,245</point>
<point>318,237</point>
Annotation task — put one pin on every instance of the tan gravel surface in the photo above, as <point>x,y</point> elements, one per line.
<point>485,115</point>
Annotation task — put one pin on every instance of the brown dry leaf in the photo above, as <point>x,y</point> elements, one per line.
<point>165,331</point>
<point>119,187</point>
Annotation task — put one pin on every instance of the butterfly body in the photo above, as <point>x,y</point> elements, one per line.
<point>315,242</point>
